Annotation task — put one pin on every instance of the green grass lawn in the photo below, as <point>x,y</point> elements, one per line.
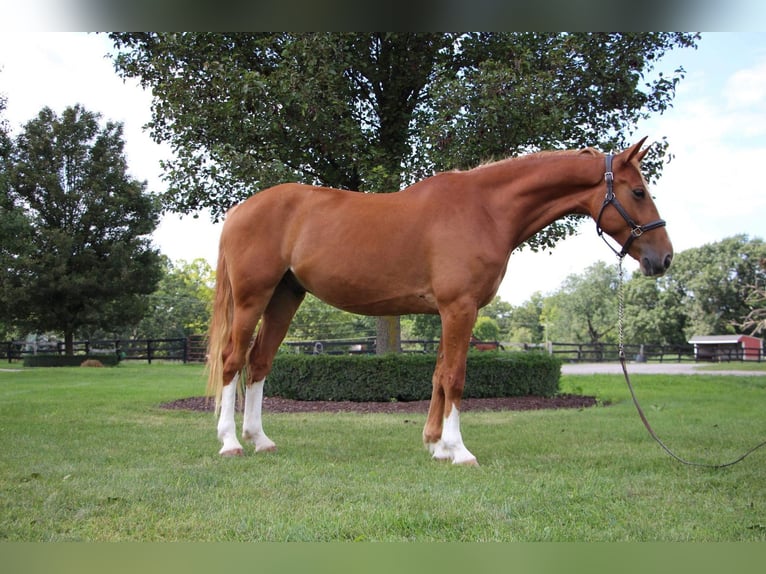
<point>88,454</point>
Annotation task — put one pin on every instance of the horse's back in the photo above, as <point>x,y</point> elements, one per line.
<point>307,214</point>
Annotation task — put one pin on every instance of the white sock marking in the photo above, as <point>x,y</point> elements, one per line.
<point>227,430</point>
<point>450,446</point>
<point>252,427</point>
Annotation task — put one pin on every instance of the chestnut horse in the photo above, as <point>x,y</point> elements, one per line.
<point>439,246</point>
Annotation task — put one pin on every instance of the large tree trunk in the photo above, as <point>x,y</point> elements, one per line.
<point>389,335</point>
<point>68,343</point>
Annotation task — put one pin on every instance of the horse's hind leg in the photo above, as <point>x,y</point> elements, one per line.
<point>227,430</point>
<point>276,320</point>
<point>243,324</point>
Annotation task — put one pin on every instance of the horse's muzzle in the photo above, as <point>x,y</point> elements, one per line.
<point>655,266</point>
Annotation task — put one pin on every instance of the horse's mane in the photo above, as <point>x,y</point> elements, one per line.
<point>539,155</point>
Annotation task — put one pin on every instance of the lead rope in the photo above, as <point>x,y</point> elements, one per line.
<point>621,348</point>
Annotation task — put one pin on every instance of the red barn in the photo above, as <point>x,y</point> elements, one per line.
<point>727,348</point>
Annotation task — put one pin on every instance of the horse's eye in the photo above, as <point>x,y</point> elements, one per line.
<point>639,193</point>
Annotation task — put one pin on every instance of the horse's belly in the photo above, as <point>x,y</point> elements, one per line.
<point>395,306</point>
<point>375,296</point>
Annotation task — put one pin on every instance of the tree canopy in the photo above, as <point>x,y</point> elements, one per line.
<point>713,283</point>
<point>81,256</point>
<point>181,305</point>
<point>12,226</point>
<point>378,111</point>
<point>755,321</point>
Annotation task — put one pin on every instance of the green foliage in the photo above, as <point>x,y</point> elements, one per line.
<point>15,234</point>
<point>500,312</point>
<point>426,327</point>
<point>375,110</point>
<point>654,314</point>
<point>486,329</point>
<point>712,283</point>
<point>68,360</point>
<point>708,290</point>
<point>182,304</point>
<point>527,322</point>
<point>83,256</point>
<point>584,310</point>
<point>408,377</point>
<point>316,320</point>
<point>755,321</point>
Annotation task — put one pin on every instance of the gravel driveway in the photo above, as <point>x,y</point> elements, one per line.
<point>650,368</point>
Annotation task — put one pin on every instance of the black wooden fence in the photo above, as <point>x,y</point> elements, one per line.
<point>186,349</point>
<point>600,352</point>
<point>193,349</point>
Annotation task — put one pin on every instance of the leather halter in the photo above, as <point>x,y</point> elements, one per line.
<point>636,230</point>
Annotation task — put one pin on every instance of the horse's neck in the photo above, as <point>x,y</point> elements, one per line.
<point>531,193</point>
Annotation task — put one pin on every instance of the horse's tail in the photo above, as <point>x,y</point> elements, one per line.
<point>219,334</point>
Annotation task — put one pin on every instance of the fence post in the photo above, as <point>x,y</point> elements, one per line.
<point>186,350</point>
<point>149,351</point>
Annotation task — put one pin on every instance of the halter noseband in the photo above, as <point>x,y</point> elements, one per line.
<point>636,230</point>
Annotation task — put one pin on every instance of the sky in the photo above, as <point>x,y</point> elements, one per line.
<point>711,189</point>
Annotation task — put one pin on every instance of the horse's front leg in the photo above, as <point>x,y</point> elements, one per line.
<point>449,381</point>
<point>450,446</point>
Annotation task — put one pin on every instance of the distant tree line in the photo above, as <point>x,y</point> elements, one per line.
<point>709,290</point>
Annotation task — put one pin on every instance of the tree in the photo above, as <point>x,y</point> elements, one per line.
<point>14,237</point>
<point>712,283</point>
<point>316,320</point>
<point>87,261</point>
<point>713,289</point>
<point>486,329</point>
<point>586,306</point>
<point>376,111</point>
<point>427,327</point>
<point>755,320</point>
<point>501,312</point>
<point>653,314</point>
<point>528,323</point>
<point>182,302</point>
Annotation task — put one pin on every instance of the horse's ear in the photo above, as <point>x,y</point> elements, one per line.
<point>634,153</point>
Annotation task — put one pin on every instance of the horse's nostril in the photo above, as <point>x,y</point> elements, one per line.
<point>668,259</point>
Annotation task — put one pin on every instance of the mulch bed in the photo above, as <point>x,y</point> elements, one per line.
<point>280,405</point>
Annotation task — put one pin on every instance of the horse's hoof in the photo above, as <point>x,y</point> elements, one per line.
<point>268,448</point>
<point>232,452</point>
<point>467,462</point>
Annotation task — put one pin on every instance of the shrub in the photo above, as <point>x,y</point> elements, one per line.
<point>67,360</point>
<point>408,377</point>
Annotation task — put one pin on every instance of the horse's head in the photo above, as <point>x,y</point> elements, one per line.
<point>628,214</point>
